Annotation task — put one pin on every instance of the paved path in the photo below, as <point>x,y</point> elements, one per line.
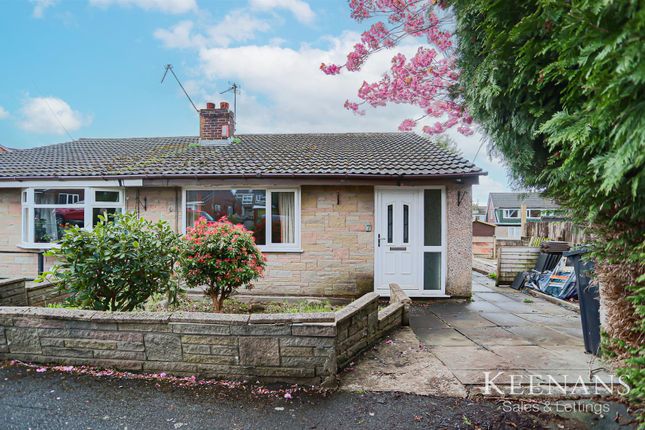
<point>502,329</point>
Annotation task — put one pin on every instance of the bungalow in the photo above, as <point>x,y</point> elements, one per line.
<point>336,214</point>
<point>505,211</point>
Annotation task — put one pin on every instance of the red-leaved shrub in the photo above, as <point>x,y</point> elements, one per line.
<point>221,255</point>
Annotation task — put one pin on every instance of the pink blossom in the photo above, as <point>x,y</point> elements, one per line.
<point>407,125</point>
<point>330,69</point>
<point>426,80</point>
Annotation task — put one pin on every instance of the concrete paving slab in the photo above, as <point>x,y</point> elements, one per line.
<point>537,357</point>
<point>442,337</point>
<point>470,358</point>
<point>540,335</point>
<point>505,319</point>
<point>467,320</point>
<point>489,336</point>
<point>422,318</point>
<point>482,306</point>
<point>571,376</point>
<point>478,377</point>
<point>401,365</point>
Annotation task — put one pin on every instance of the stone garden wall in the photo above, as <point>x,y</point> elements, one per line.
<point>20,292</point>
<point>294,348</point>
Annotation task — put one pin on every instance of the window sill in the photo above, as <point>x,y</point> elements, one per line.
<point>271,250</point>
<point>42,246</point>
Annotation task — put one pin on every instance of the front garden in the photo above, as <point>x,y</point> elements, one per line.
<point>126,307</point>
<point>127,264</point>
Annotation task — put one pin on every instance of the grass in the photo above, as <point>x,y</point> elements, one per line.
<point>492,275</point>
<point>527,301</point>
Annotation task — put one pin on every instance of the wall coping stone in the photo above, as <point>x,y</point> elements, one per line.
<point>312,317</point>
<point>390,309</point>
<point>8,281</point>
<point>355,306</point>
<point>209,318</point>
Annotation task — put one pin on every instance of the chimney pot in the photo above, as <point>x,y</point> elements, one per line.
<point>210,105</point>
<point>223,105</point>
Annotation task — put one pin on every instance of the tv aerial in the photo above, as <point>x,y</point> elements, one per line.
<point>168,68</point>
<point>235,89</point>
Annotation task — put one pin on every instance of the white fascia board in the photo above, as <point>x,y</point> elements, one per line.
<point>73,183</point>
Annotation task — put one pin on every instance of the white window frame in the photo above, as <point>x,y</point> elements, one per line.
<point>29,206</point>
<point>528,213</point>
<point>505,214</point>
<point>269,247</point>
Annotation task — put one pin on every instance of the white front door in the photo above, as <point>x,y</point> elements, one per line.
<point>410,241</point>
<point>397,238</point>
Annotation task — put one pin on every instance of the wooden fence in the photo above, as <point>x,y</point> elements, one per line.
<point>564,231</point>
<point>514,259</point>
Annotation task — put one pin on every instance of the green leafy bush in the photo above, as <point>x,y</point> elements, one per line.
<point>559,89</point>
<point>221,255</point>
<point>117,265</point>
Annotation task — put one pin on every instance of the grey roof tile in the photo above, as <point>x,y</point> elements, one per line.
<point>331,154</point>
<point>515,200</point>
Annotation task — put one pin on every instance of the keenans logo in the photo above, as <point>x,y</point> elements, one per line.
<point>540,385</point>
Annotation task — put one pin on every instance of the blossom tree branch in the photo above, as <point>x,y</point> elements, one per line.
<point>429,79</point>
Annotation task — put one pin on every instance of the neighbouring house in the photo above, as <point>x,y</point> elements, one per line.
<point>335,214</point>
<point>483,239</point>
<point>479,212</point>
<point>505,211</point>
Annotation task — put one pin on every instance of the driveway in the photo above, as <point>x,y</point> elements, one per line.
<point>504,330</point>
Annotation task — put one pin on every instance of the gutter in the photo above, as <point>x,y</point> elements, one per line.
<point>244,176</point>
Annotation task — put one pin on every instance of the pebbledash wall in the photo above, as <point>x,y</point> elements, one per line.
<point>337,257</point>
<point>293,348</point>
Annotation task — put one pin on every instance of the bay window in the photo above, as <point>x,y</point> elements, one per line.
<point>48,212</point>
<point>272,215</point>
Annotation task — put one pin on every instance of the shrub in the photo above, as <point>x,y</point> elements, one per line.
<point>222,256</point>
<point>118,265</point>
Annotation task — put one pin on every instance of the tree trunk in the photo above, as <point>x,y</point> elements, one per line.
<point>217,306</point>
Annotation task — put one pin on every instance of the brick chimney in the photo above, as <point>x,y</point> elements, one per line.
<point>216,125</point>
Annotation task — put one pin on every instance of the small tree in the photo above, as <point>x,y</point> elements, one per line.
<point>221,255</point>
<point>118,265</point>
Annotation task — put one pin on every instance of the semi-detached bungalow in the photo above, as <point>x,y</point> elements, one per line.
<point>336,214</point>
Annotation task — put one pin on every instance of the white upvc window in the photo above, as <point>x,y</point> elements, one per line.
<point>48,210</point>
<point>511,213</point>
<point>535,213</point>
<point>271,214</point>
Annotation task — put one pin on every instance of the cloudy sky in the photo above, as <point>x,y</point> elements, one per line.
<point>92,68</point>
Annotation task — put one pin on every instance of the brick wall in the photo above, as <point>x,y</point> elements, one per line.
<point>294,348</point>
<point>337,257</point>
<point>338,252</point>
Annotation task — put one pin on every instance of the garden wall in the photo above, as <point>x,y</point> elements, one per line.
<point>294,348</point>
<point>20,292</point>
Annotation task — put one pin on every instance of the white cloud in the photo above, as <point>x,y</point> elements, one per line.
<point>3,113</point>
<point>236,26</point>
<point>166,6</point>
<point>300,9</point>
<point>299,96</point>
<point>40,6</point>
<point>50,115</point>
<point>283,90</point>
<point>179,36</point>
